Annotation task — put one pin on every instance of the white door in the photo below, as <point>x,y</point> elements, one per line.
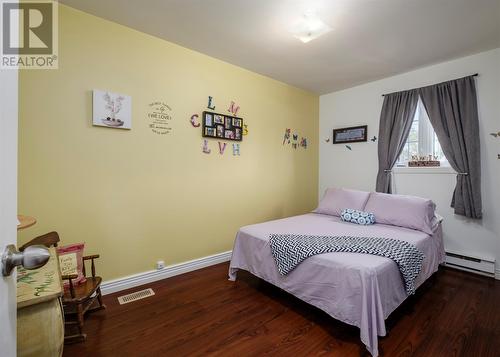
<point>8,205</point>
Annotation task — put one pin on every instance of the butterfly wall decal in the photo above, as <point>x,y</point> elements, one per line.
<point>496,135</point>
<point>286,137</point>
<point>374,139</point>
<point>348,147</point>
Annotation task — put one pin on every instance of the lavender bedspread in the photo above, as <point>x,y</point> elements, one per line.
<point>358,289</point>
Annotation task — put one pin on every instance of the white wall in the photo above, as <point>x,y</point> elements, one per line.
<point>341,167</point>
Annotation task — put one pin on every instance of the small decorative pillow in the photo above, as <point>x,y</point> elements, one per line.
<point>358,217</point>
<point>71,262</point>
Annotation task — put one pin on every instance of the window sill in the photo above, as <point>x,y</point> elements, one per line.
<point>446,170</point>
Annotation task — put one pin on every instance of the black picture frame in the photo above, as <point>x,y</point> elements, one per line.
<point>222,126</point>
<point>352,134</point>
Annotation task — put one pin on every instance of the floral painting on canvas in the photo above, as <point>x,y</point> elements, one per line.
<point>112,109</point>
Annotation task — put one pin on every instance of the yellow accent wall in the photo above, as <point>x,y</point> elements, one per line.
<point>134,196</point>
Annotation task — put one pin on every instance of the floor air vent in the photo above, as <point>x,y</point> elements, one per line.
<point>472,264</point>
<point>138,295</point>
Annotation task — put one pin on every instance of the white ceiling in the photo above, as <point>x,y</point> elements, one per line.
<point>372,39</point>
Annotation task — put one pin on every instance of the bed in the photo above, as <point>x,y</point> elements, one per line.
<point>358,289</point>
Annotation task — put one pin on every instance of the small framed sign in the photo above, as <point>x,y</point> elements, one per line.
<point>221,126</point>
<point>353,134</point>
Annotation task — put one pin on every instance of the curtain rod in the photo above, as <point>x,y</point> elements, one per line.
<point>472,75</point>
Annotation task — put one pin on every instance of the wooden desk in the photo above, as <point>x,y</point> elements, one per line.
<point>40,318</point>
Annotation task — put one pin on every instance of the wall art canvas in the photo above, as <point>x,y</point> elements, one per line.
<point>352,134</point>
<point>112,110</point>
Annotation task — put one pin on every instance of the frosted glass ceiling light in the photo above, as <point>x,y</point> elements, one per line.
<point>309,28</point>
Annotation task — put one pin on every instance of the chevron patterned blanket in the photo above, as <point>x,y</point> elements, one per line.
<point>289,250</point>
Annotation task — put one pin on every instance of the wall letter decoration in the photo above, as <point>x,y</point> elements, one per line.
<point>206,150</point>
<point>233,108</point>
<point>236,149</point>
<point>245,129</point>
<point>303,143</point>
<point>193,120</point>
<point>210,105</point>
<point>222,147</point>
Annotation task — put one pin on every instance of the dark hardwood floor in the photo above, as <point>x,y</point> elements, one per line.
<point>201,313</point>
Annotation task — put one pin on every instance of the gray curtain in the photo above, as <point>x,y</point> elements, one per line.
<point>452,110</point>
<point>396,118</point>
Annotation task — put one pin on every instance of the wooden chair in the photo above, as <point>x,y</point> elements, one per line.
<point>49,240</point>
<point>80,299</point>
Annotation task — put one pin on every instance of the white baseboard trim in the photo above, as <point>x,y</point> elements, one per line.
<point>112,286</point>
<point>497,274</point>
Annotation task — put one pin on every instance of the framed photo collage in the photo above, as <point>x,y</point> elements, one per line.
<point>221,126</point>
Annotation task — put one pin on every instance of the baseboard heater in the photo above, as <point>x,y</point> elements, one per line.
<point>471,264</point>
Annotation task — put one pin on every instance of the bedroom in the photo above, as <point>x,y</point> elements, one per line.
<point>238,116</point>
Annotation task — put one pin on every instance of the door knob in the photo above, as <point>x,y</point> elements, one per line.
<point>33,257</point>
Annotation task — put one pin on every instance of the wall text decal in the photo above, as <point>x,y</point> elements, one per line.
<point>160,118</point>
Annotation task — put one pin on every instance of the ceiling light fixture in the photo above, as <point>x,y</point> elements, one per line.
<point>309,28</point>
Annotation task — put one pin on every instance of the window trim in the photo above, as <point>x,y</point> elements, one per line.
<point>405,170</point>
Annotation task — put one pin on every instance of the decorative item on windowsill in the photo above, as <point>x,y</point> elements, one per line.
<point>424,161</point>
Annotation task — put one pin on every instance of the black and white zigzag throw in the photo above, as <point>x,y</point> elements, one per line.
<point>289,250</point>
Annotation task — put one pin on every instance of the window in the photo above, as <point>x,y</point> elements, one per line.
<point>422,140</point>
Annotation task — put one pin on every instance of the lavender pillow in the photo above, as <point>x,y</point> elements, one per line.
<point>402,211</point>
<point>336,199</point>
